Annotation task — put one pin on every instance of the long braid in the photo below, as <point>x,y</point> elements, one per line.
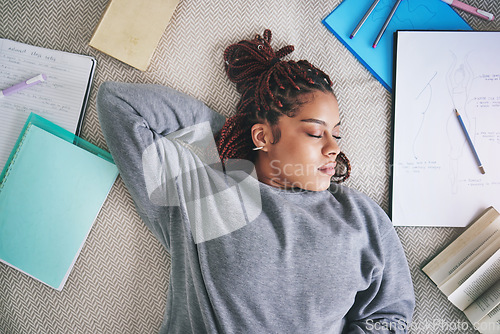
<point>269,89</point>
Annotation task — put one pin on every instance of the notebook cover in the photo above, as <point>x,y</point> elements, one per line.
<point>50,194</point>
<point>130,30</point>
<point>410,15</point>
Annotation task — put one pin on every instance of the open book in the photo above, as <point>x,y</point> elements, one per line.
<point>468,272</point>
<point>61,99</point>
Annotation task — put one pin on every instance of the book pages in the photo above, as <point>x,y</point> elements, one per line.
<point>61,98</point>
<point>478,258</point>
<point>480,281</point>
<point>490,324</point>
<point>484,304</point>
<point>479,232</point>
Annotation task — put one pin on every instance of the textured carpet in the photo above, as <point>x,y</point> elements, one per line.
<point>119,282</point>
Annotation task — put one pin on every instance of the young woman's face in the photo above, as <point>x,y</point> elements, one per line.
<point>304,156</point>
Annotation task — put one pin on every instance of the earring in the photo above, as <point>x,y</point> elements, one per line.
<point>258,148</point>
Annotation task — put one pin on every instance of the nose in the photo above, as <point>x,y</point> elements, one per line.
<point>331,146</point>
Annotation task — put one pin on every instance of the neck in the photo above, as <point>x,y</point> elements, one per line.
<point>265,173</point>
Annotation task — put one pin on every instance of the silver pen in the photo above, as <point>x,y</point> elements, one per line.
<point>368,12</point>
<point>386,23</point>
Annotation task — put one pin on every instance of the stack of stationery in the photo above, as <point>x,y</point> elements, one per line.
<point>394,15</point>
<point>53,183</point>
<point>51,190</point>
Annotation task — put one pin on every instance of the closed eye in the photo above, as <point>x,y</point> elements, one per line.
<point>320,136</point>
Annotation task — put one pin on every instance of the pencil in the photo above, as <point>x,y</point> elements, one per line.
<point>480,165</point>
<point>368,12</point>
<point>386,23</point>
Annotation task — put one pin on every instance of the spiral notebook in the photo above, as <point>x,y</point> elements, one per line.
<point>51,190</point>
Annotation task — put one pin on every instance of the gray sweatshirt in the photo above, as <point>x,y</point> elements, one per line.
<point>248,257</point>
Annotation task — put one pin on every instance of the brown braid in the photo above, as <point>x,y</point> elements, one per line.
<point>269,88</point>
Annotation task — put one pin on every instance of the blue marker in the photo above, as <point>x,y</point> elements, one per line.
<point>17,87</point>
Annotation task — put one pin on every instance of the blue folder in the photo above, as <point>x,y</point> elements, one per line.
<point>51,190</point>
<point>410,15</point>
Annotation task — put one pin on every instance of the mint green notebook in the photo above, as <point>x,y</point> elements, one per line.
<point>51,190</point>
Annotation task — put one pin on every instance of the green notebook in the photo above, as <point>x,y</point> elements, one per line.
<point>51,190</point>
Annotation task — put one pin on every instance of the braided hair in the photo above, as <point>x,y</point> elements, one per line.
<point>269,88</point>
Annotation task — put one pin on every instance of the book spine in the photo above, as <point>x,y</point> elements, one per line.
<point>12,160</point>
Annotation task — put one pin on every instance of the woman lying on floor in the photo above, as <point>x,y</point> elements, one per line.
<point>262,237</point>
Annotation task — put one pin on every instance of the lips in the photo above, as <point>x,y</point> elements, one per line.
<point>328,169</point>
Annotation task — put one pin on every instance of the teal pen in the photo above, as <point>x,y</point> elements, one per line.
<point>480,165</point>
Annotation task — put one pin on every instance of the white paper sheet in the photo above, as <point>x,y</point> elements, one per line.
<point>59,99</point>
<point>436,180</point>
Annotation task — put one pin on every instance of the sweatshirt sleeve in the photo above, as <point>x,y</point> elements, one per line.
<point>387,305</point>
<point>133,118</point>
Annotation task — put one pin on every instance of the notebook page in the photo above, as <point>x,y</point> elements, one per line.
<point>59,99</point>
<point>436,179</point>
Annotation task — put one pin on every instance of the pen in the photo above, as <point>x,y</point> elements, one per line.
<point>389,18</point>
<point>473,10</point>
<point>480,165</point>
<point>30,82</point>
<point>368,12</point>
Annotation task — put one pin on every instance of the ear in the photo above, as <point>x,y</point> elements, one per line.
<point>261,135</point>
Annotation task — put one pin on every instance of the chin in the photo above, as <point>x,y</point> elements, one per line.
<point>314,185</point>
<point>321,188</point>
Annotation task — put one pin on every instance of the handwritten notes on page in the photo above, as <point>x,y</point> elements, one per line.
<point>61,99</point>
<point>436,179</point>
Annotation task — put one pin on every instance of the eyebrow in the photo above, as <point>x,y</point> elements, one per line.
<point>317,121</point>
